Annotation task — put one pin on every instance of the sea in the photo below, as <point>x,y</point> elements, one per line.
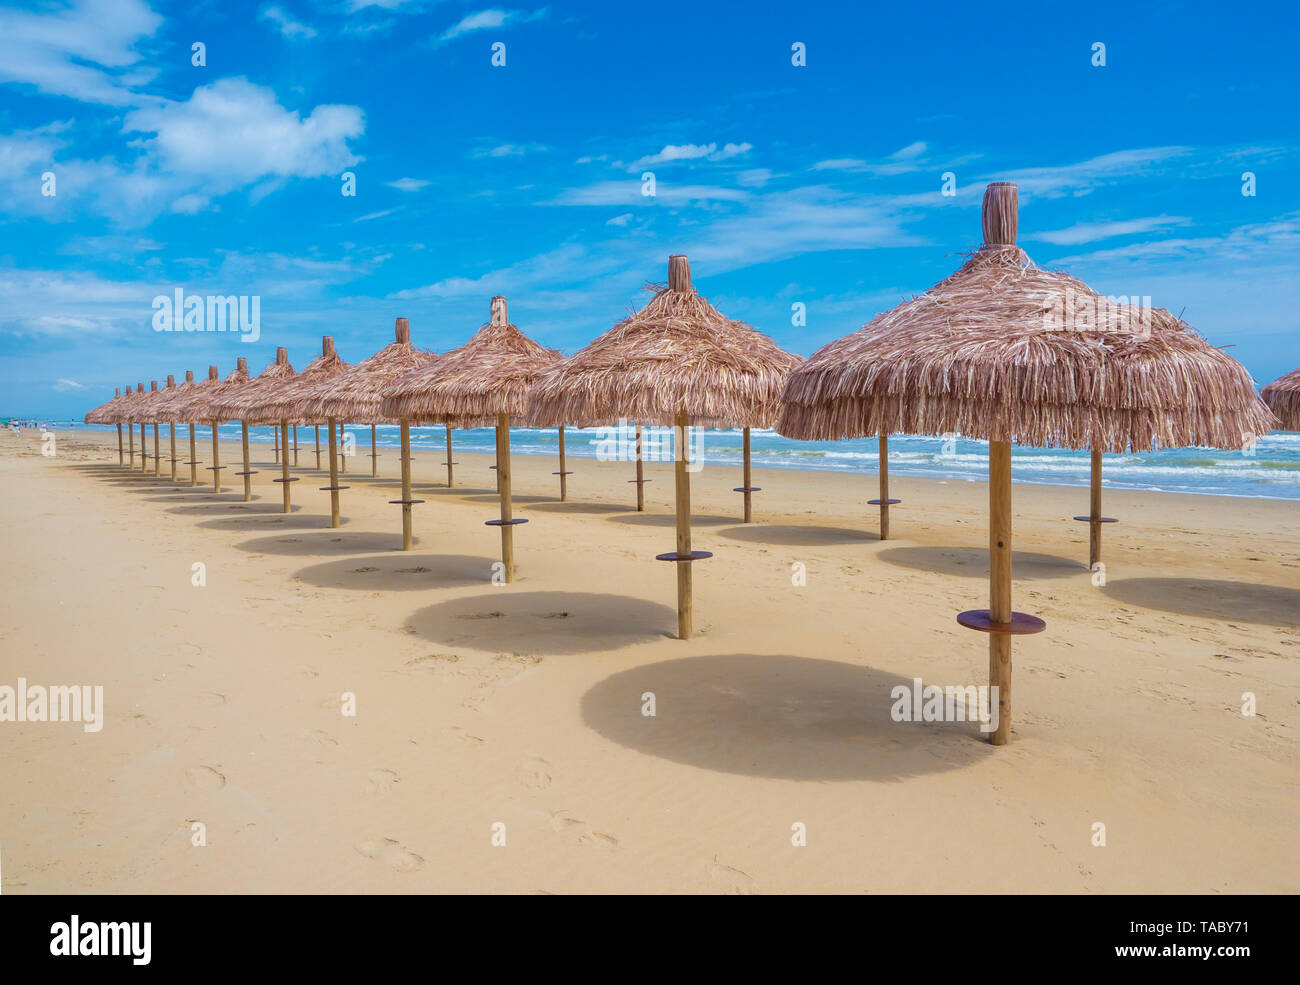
<point>1268,470</point>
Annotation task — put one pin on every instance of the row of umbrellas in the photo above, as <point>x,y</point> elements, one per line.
<point>985,353</point>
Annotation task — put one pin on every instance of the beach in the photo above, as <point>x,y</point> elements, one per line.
<point>516,713</point>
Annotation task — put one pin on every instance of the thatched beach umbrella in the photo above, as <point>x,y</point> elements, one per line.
<point>156,411</point>
<point>1004,351</point>
<point>290,399</point>
<point>1283,399</point>
<point>103,414</point>
<point>678,361</point>
<point>139,412</point>
<point>248,404</point>
<point>201,408</point>
<point>487,378</point>
<point>167,408</point>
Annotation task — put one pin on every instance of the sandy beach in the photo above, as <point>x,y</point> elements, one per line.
<point>522,705</point>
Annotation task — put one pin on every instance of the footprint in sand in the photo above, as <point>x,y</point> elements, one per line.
<point>213,698</point>
<point>464,736</point>
<point>363,570</point>
<point>535,773</point>
<point>481,615</point>
<point>205,778</point>
<point>727,879</point>
<point>140,719</point>
<point>394,855</point>
<point>580,832</point>
<point>321,737</point>
<point>381,781</point>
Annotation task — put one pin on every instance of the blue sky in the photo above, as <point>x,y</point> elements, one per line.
<point>817,184</point>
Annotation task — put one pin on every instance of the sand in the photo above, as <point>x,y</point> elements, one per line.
<point>521,705</point>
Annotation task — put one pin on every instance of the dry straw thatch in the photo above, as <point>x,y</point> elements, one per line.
<point>204,399</point>
<point>490,374</point>
<point>248,403</point>
<point>121,414</point>
<point>179,406</point>
<point>290,397</point>
<point>1005,351</point>
<point>677,353</point>
<point>1283,399</point>
<point>355,396</point>
<point>166,406</point>
<point>103,413</point>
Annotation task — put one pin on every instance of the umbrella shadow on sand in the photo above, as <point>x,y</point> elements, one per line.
<point>253,508</point>
<point>1211,598</point>
<point>784,717</point>
<point>399,572</point>
<point>254,522</point>
<point>325,543</point>
<point>542,622</point>
<point>494,498</point>
<point>670,519</point>
<point>973,562</point>
<point>556,507</point>
<point>797,536</point>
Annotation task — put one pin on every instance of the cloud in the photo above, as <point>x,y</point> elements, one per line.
<point>483,20</point>
<point>903,161</point>
<point>690,152</point>
<point>63,385</point>
<point>510,150</point>
<point>619,220</point>
<point>560,267</point>
<point>84,50</point>
<point>408,184</point>
<point>374,215</point>
<point>1090,232</point>
<point>1083,177</point>
<point>1255,244</point>
<point>628,192</point>
<point>290,28</point>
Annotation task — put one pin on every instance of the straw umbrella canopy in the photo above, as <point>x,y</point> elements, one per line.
<point>1004,351</point>
<point>287,401</point>
<point>167,407</point>
<point>103,414</point>
<point>247,404</point>
<point>201,408</point>
<point>678,361</point>
<point>155,413</point>
<point>355,395</point>
<point>486,378</point>
<point>1283,399</point>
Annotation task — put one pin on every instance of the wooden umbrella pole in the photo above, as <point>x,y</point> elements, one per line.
<point>640,474</point>
<point>275,443</point>
<point>295,446</point>
<point>449,461</point>
<point>171,428</point>
<point>130,437</point>
<point>374,454</point>
<point>685,602</point>
<point>120,460</point>
<point>194,460</point>
<point>884,487</point>
<point>216,460</point>
<point>157,459</point>
<point>334,476</point>
<point>317,447</point>
<point>144,456</point>
<point>248,474</point>
<point>343,455</point>
<point>406,485</point>
<point>564,485</point>
<point>284,462</point>
<point>503,487</point>
<point>1000,583</point>
<point>1094,537</point>
<point>749,514</point>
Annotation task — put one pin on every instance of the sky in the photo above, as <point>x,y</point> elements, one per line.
<point>503,150</point>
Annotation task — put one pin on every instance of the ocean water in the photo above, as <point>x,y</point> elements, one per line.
<point>1270,470</point>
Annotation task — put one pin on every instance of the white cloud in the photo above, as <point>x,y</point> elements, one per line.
<point>285,24</point>
<point>63,385</point>
<point>408,184</point>
<point>690,152</point>
<point>84,50</point>
<point>619,220</point>
<point>628,192</point>
<point>510,150</point>
<point>1083,177</point>
<point>1091,232</point>
<point>902,161</point>
<point>483,20</point>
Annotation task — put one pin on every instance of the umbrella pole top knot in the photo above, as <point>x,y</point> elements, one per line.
<point>153,386</point>
<point>679,273</point>
<point>402,331</point>
<point>327,345</point>
<point>242,363</point>
<point>189,376</point>
<point>499,315</point>
<point>171,380</point>
<point>1001,213</point>
<point>281,355</point>
<point>212,372</point>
